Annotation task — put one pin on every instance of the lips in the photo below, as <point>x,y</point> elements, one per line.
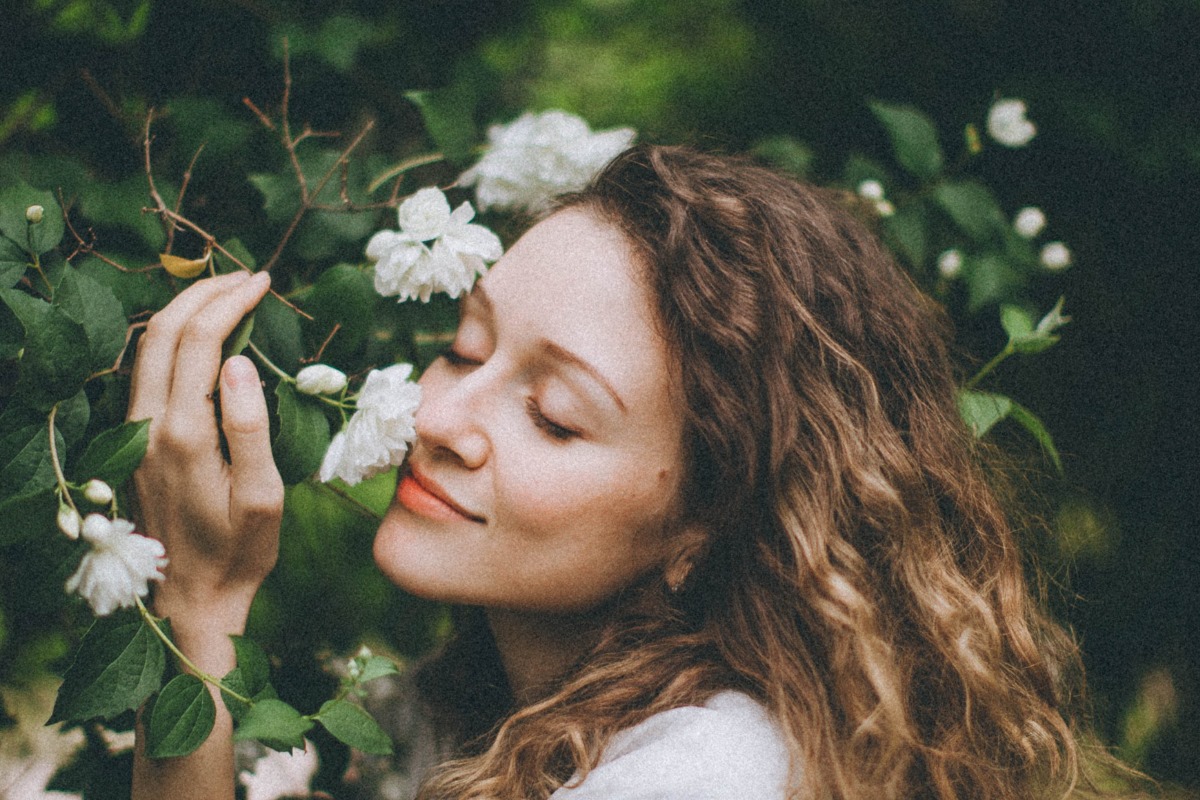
<point>424,497</point>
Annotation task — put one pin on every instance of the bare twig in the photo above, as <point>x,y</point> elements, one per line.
<point>104,97</point>
<point>88,247</point>
<point>263,118</point>
<point>306,201</point>
<point>321,350</point>
<point>285,125</point>
<point>161,206</point>
<point>120,356</point>
<point>183,187</point>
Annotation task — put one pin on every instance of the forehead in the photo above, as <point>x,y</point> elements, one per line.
<point>573,279</point>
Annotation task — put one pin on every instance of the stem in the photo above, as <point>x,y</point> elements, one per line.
<point>355,504</point>
<point>37,265</point>
<point>152,621</point>
<point>63,492</point>
<point>401,168</point>
<point>988,367</point>
<point>283,376</point>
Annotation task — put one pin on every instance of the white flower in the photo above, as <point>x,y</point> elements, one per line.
<point>279,774</point>
<point>98,492</point>
<point>1029,222</point>
<point>320,379</point>
<point>1006,123</point>
<point>69,521</point>
<point>538,156</point>
<point>949,263</point>
<point>33,214</point>
<point>378,434</point>
<point>884,208</point>
<point>871,190</point>
<point>435,250</point>
<point>118,568</point>
<point>1055,256</point>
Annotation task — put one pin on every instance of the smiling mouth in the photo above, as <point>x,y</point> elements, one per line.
<point>426,499</point>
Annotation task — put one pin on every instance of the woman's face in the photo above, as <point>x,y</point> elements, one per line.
<point>549,459</point>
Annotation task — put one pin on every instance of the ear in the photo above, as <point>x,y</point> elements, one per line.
<point>685,549</point>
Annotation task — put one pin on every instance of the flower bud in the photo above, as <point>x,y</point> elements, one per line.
<point>98,492</point>
<point>871,190</point>
<point>69,521</point>
<point>33,214</point>
<point>1029,222</point>
<point>1056,256</point>
<point>950,263</point>
<point>320,379</point>
<point>884,208</point>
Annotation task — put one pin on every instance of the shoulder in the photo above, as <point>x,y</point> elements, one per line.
<point>727,749</point>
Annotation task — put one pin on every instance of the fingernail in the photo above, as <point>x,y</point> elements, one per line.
<point>261,278</point>
<point>239,371</point>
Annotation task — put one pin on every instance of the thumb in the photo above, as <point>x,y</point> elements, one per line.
<point>255,479</point>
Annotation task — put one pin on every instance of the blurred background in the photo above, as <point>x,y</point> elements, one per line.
<point>1111,86</point>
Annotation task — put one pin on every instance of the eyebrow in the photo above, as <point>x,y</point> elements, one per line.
<point>556,351</point>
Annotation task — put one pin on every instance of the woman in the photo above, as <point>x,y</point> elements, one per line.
<point>694,461</point>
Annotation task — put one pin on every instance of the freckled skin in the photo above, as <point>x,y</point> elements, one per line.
<point>567,522</point>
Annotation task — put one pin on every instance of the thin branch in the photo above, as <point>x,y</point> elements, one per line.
<point>124,348</point>
<point>403,167</point>
<point>263,118</point>
<point>183,187</point>
<point>285,125</point>
<point>211,241</point>
<point>168,225</point>
<point>305,200</point>
<point>321,350</point>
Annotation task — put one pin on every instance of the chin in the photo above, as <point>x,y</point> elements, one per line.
<point>404,556</point>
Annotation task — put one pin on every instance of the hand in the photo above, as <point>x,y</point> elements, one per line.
<point>218,520</point>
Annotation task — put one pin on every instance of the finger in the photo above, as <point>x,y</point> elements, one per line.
<point>257,490</point>
<point>198,357</point>
<point>152,370</point>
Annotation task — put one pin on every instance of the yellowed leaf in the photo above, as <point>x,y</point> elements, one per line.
<point>183,267</point>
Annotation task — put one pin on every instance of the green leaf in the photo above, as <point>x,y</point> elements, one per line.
<point>303,435</point>
<point>72,418</point>
<point>277,333</point>
<point>119,664</point>
<point>114,454</point>
<point>275,724</point>
<point>787,153</point>
<point>238,251</point>
<point>25,462</point>
<point>281,195</point>
<point>1031,423</point>
<point>55,364</point>
<point>13,263</point>
<point>973,208</point>
<point>240,337</point>
<point>377,667</point>
<point>96,308</point>
<point>914,139</point>
<point>981,410</point>
<point>253,665</point>
<point>38,237</point>
<point>181,719</point>
<point>234,681</point>
<point>989,278</point>
<point>351,725</point>
<point>28,516</point>
<point>449,117</point>
<point>343,295</point>
<point>906,233</point>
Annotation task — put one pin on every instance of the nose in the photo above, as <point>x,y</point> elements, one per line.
<point>448,421</point>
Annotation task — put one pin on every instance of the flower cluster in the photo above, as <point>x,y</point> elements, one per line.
<point>118,568</point>
<point>435,250</point>
<point>379,432</point>
<point>539,156</point>
<point>872,190</point>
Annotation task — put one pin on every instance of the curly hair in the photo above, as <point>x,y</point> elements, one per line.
<point>861,579</point>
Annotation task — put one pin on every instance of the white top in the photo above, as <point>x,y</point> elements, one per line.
<point>728,749</point>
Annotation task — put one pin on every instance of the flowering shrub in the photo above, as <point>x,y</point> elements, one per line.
<point>71,314</point>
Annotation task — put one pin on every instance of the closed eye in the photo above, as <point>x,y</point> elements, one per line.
<point>551,428</point>
<point>457,359</point>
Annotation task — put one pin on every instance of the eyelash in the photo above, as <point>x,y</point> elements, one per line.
<point>552,429</point>
<point>540,420</point>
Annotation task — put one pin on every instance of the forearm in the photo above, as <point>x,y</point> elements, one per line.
<point>208,773</point>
